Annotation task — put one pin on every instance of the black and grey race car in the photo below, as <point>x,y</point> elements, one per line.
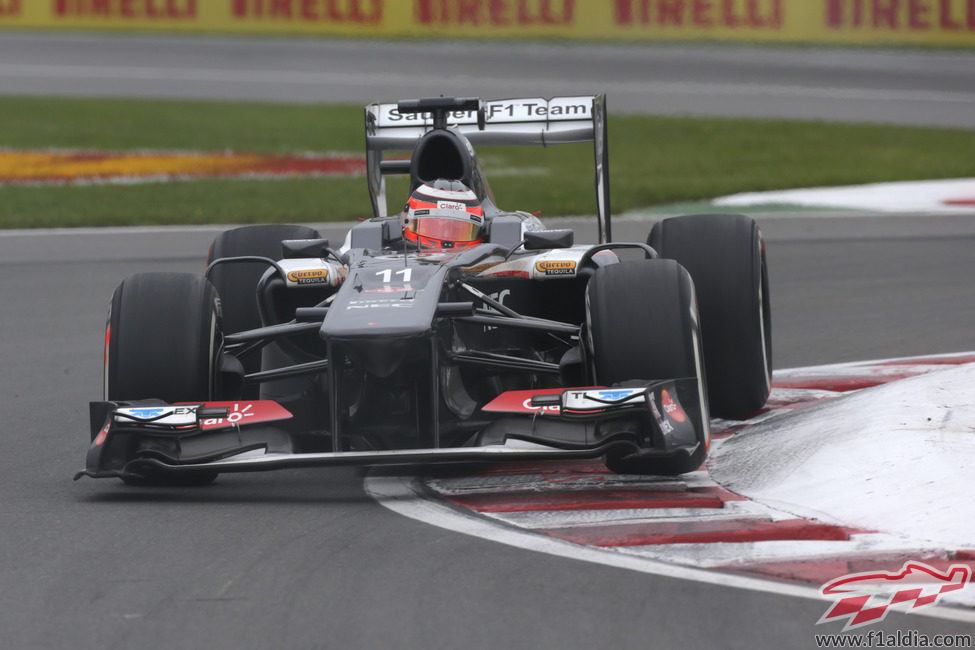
<point>289,352</point>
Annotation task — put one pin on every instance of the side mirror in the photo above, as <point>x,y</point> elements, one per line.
<point>302,248</point>
<point>536,240</point>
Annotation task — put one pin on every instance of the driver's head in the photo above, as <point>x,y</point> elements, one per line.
<point>443,214</point>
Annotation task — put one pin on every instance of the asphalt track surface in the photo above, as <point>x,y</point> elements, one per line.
<point>854,85</point>
<point>306,558</point>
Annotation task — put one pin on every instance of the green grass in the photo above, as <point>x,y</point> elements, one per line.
<point>653,160</point>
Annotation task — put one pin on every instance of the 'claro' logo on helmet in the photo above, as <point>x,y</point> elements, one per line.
<point>309,276</point>
<point>556,267</point>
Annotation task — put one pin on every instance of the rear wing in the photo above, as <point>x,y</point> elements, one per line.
<point>523,121</point>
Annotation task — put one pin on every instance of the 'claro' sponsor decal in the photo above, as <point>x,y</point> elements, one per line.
<point>671,407</point>
<point>556,267</point>
<point>937,22</point>
<point>309,276</point>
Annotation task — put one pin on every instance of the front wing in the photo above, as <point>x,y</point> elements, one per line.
<point>660,419</point>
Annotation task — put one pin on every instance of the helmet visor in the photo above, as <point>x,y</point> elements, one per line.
<point>458,230</point>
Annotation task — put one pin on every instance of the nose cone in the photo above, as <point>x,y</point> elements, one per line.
<point>382,357</point>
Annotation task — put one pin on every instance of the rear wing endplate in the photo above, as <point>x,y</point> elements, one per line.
<point>522,121</point>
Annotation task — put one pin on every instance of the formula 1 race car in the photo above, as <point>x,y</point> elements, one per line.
<point>453,331</point>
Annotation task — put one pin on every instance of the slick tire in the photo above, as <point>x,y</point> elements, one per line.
<point>162,341</point>
<point>237,283</point>
<point>725,254</point>
<point>642,325</point>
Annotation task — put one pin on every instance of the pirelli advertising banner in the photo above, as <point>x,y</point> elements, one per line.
<point>912,22</point>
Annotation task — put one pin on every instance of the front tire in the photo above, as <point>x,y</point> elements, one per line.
<point>163,338</point>
<point>163,341</point>
<point>641,320</point>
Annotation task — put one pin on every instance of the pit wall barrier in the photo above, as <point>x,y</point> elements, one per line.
<point>894,22</point>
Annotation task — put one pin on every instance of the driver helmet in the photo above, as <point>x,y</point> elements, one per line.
<point>443,214</point>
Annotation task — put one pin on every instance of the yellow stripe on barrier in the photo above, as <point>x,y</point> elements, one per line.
<point>932,22</point>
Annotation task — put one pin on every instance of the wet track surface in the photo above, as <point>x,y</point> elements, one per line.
<point>306,558</point>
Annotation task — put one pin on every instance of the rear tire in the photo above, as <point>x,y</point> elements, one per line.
<point>163,341</point>
<point>725,254</point>
<point>237,283</point>
<point>641,323</point>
